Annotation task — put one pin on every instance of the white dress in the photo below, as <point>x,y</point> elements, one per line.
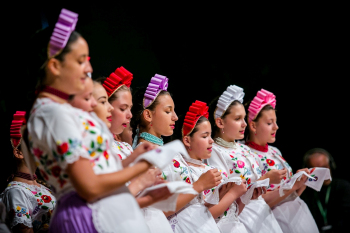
<point>238,161</point>
<point>123,149</point>
<point>155,219</point>
<point>59,135</point>
<point>292,213</point>
<point>29,205</point>
<point>195,216</point>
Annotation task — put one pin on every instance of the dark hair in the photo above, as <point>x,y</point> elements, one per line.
<point>200,121</point>
<point>137,109</point>
<point>114,96</point>
<point>309,153</point>
<point>212,108</point>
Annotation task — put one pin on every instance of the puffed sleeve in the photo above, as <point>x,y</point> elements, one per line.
<point>18,207</point>
<point>58,130</point>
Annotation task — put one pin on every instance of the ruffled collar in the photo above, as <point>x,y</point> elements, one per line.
<point>257,147</point>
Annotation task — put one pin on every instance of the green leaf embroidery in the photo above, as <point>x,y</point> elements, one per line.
<point>237,171</point>
<point>44,207</point>
<point>100,166</point>
<point>70,141</point>
<point>99,150</point>
<point>92,132</point>
<point>68,153</point>
<point>92,144</point>
<point>225,213</point>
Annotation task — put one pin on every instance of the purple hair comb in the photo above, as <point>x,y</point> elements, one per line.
<point>66,23</point>
<point>157,84</point>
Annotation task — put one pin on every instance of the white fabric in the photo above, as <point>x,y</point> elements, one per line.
<point>319,175</point>
<point>123,149</point>
<point>257,215</point>
<point>162,155</point>
<point>195,216</point>
<point>288,184</point>
<point>292,214</point>
<point>214,197</point>
<point>246,198</point>
<point>61,134</point>
<point>175,187</point>
<point>29,205</point>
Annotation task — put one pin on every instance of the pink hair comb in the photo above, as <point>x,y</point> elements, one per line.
<point>15,129</point>
<point>262,98</point>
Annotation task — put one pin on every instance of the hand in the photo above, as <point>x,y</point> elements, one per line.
<point>257,192</point>
<point>207,180</point>
<point>150,177</point>
<point>299,185</point>
<point>224,189</point>
<point>158,195</point>
<point>276,175</point>
<point>239,189</point>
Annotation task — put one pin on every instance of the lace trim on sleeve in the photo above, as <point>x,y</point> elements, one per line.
<point>75,154</point>
<point>26,222</point>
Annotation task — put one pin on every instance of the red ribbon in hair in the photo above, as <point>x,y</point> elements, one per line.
<point>196,110</point>
<point>15,129</point>
<point>119,77</point>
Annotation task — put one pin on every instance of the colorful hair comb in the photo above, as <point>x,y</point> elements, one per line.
<point>15,129</point>
<point>66,23</point>
<point>196,110</point>
<point>119,77</point>
<point>157,84</point>
<point>231,94</point>
<point>262,98</point>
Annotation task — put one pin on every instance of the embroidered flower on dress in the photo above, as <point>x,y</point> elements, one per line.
<point>176,163</point>
<point>270,162</point>
<point>62,148</point>
<point>240,164</point>
<point>46,198</point>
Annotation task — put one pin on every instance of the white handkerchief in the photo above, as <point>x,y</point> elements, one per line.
<point>320,174</point>
<point>288,184</point>
<point>213,197</point>
<point>163,155</point>
<point>245,198</point>
<point>175,187</point>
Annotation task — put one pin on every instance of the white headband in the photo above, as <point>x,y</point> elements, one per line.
<point>231,94</point>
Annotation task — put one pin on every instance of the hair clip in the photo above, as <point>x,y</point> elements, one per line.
<point>15,129</point>
<point>119,77</point>
<point>196,110</point>
<point>231,94</point>
<point>262,98</point>
<point>157,84</point>
<point>66,23</point>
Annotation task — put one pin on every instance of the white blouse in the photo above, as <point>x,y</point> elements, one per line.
<point>60,134</point>
<point>29,205</point>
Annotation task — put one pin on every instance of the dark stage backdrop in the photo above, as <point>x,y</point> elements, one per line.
<point>300,53</point>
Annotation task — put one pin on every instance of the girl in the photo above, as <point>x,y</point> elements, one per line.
<point>72,146</point>
<point>291,212</point>
<point>153,118</point>
<point>197,139</point>
<point>237,160</point>
<point>29,204</point>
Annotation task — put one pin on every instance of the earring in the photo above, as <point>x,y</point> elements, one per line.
<point>189,148</point>
<point>222,130</point>
<point>151,123</point>
<point>255,133</point>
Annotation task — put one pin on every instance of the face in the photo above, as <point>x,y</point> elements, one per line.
<point>126,135</point>
<point>266,127</point>
<point>200,143</point>
<point>121,114</point>
<point>164,117</point>
<point>84,100</point>
<point>103,108</point>
<point>319,160</point>
<point>73,71</point>
<point>234,124</point>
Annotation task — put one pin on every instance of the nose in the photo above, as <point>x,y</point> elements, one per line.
<point>244,123</point>
<point>175,118</point>
<point>88,67</point>
<point>276,126</point>
<point>93,102</point>
<point>129,115</point>
<point>110,107</point>
<point>211,141</point>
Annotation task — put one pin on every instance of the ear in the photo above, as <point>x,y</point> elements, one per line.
<point>252,126</point>
<point>54,66</point>
<point>219,122</point>
<point>147,115</point>
<point>18,154</point>
<point>187,141</point>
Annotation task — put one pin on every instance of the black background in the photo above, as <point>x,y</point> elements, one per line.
<point>298,52</point>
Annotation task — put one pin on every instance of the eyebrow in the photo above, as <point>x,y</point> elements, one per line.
<point>104,97</point>
<point>206,133</point>
<point>169,106</point>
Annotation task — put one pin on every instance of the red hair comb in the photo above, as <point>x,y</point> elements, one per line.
<point>196,110</point>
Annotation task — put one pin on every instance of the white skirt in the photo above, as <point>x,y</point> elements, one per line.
<point>195,218</point>
<point>258,217</point>
<point>230,223</point>
<point>156,220</point>
<point>294,216</point>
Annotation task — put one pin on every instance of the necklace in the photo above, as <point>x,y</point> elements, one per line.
<point>151,138</point>
<point>194,161</point>
<point>25,176</point>
<point>224,143</point>
<point>56,92</point>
